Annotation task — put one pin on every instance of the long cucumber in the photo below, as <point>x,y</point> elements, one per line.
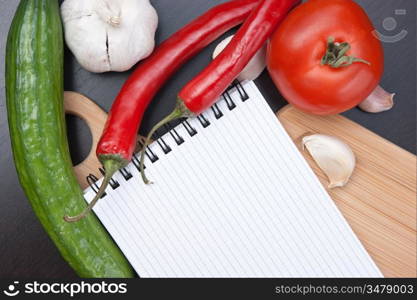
<point>34,92</point>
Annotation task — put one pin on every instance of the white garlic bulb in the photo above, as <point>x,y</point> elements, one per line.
<point>109,35</point>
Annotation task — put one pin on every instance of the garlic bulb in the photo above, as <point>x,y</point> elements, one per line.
<point>255,66</point>
<point>109,35</point>
<point>378,101</point>
<point>333,156</point>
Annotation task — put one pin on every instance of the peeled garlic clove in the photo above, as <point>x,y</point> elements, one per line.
<point>333,156</point>
<point>255,66</point>
<point>378,101</point>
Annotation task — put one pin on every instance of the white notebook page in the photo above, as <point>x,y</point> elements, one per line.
<point>235,200</point>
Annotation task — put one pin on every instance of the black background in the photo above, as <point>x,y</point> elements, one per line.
<point>25,249</point>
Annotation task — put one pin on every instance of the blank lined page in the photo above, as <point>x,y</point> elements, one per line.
<point>236,199</point>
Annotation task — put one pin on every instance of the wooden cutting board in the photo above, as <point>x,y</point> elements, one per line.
<point>379,202</point>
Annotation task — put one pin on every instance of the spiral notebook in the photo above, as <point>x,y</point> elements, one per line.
<point>232,197</point>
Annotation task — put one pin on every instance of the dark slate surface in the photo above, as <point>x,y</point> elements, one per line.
<point>25,249</point>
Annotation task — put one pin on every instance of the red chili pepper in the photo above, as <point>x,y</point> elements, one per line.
<point>201,92</point>
<point>117,144</point>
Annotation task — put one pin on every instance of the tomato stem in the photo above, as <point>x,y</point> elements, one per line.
<point>335,55</point>
<point>180,111</point>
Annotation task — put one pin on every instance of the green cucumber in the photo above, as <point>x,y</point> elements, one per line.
<point>34,92</point>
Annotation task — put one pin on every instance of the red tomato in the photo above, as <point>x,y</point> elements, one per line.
<point>299,44</point>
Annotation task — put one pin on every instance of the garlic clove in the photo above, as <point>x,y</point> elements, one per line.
<point>141,23</point>
<point>334,157</point>
<point>125,51</point>
<point>91,52</point>
<point>255,66</point>
<point>378,101</point>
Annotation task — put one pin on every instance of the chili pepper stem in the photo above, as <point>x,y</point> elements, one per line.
<point>180,111</point>
<point>111,166</point>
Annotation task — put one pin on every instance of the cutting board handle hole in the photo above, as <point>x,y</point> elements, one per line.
<point>79,138</point>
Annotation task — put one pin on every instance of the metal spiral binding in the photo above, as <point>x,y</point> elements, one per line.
<point>114,184</point>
